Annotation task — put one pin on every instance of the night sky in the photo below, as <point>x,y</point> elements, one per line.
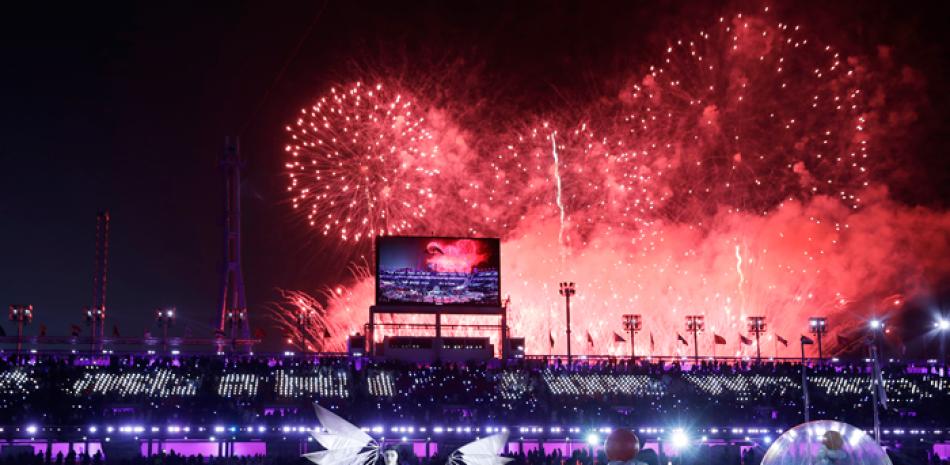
<point>125,106</point>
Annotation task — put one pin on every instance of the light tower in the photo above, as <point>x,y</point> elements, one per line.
<point>757,327</point>
<point>97,314</point>
<point>232,303</point>
<point>695,324</point>
<point>165,317</point>
<point>632,324</point>
<point>304,316</point>
<point>567,289</point>
<point>818,325</point>
<point>95,318</point>
<point>22,315</point>
<point>942,325</point>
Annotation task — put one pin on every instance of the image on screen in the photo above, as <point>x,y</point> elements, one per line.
<point>437,271</point>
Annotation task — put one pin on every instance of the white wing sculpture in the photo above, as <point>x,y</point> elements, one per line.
<point>345,444</point>
<point>481,452</point>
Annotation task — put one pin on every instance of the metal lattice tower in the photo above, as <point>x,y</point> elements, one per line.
<point>233,306</point>
<point>100,276</point>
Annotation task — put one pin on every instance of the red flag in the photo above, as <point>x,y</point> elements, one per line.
<point>619,338</point>
<point>590,340</point>
<point>807,340</point>
<point>781,340</point>
<point>681,339</point>
<point>652,344</point>
<point>745,340</point>
<point>719,339</point>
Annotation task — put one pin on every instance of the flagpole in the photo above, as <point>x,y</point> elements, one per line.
<point>804,382</point>
<point>633,346</point>
<point>874,397</point>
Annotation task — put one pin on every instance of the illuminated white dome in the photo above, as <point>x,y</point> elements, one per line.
<point>808,444</point>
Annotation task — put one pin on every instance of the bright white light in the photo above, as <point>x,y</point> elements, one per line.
<point>93,429</point>
<point>876,324</point>
<point>31,429</point>
<point>679,439</point>
<point>942,324</point>
<point>592,439</point>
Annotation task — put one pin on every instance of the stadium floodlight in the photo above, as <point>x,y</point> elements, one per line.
<point>876,324</point>
<point>679,439</point>
<point>593,439</point>
<point>942,325</point>
<point>695,324</point>
<point>21,315</point>
<point>756,328</point>
<point>567,289</point>
<point>165,317</point>
<point>818,325</point>
<point>632,323</point>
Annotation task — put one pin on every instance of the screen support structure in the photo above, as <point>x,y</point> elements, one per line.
<point>437,312</point>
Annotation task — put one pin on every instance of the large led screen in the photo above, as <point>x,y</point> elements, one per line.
<point>437,271</point>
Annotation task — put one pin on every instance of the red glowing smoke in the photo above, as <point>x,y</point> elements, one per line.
<point>745,174</point>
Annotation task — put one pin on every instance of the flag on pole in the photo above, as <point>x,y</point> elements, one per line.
<point>42,330</point>
<point>618,338</point>
<point>745,340</point>
<point>326,333</point>
<point>75,330</point>
<point>781,340</point>
<point>590,340</point>
<point>807,340</point>
<point>679,338</point>
<point>652,344</point>
<point>719,339</point>
<point>551,339</point>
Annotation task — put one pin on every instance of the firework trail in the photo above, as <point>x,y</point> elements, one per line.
<point>557,181</point>
<point>739,176</point>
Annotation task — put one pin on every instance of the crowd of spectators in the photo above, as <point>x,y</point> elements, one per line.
<point>75,390</point>
<point>703,455</point>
